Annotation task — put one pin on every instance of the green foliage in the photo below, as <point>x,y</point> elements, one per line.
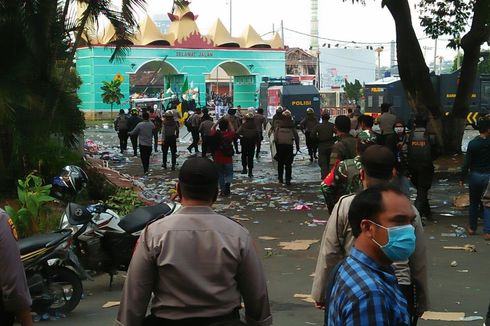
<point>124,201</point>
<point>353,91</point>
<point>33,196</point>
<point>449,17</point>
<point>112,92</point>
<point>483,66</point>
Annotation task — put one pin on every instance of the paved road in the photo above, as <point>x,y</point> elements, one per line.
<point>268,206</point>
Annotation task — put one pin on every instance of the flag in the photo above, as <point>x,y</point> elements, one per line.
<point>185,87</point>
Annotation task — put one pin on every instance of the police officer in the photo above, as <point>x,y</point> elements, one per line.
<point>285,136</point>
<point>307,126</point>
<point>421,151</point>
<point>197,264</point>
<point>133,121</point>
<point>170,133</point>
<point>15,300</point>
<point>324,133</point>
<point>194,121</point>
<point>260,123</point>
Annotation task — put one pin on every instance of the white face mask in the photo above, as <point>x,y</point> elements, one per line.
<point>399,130</point>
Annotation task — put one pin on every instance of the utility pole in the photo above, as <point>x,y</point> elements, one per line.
<point>435,55</point>
<point>231,13</point>
<point>282,31</point>
<point>378,50</point>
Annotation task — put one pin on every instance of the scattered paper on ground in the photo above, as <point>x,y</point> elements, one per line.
<point>467,247</point>
<point>445,316</point>
<point>266,237</point>
<point>110,304</point>
<point>297,244</point>
<point>238,218</point>
<point>304,297</point>
<point>462,200</point>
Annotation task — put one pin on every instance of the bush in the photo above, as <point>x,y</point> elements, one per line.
<point>124,201</point>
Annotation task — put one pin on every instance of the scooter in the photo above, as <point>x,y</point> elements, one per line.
<point>105,242</point>
<point>53,272</point>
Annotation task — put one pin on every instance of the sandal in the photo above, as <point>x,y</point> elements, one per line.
<point>470,231</point>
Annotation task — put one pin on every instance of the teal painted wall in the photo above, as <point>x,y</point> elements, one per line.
<point>94,67</point>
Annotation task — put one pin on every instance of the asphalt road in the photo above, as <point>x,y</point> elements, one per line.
<point>268,207</point>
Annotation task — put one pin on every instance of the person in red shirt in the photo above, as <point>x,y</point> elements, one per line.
<point>223,153</point>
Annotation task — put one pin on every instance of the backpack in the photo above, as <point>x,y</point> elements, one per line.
<point>335,185</point>
<point>224,145</point>
<point>187,124</point>
<point>419,149</point>
<point>122,123</point>
<point>285,136</point>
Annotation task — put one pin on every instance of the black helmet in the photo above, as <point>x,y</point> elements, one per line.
<point>72,179</point>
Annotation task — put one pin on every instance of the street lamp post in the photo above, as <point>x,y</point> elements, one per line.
<point>378,50</point>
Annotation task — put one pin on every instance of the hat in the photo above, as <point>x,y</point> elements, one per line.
<point>249,115</point>
<point>367,137</point>
<point>169,114</point>
<point>310,111</point>
<point>198,172</point>
<point>279,109</point>
<point>286,113</point>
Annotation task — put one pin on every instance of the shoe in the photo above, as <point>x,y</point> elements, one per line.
<point>470,231</point>
<point>311,159</point>
<point>281,181</point>
<point>227,190</point>
<point>173,168</point>
<point>288,183</point>
<point>190,151</point>
<point>244,171</point>
<point>250,175</point>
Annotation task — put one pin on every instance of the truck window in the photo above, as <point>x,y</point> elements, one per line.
<point>370,101</point>
<point>380,100</point>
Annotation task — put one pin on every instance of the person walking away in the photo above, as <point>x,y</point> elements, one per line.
<point>121,127</point>
<point>386,122</point>
<point>223,153</point>
<point>133,121</point>
<point>249,138</point>
<point>144,131</point>
<point>193,127</point>
<point>421,152</point>
<point>344,178</point>
<point>197,266</point>
<point>345,147</point>
<point>365,290</point>
<point>205,131</point>
<point>15,300</point>
<point>377,163</point>
<point>236,121</point>
<point>275,118</point>
<point>170,133</point>
<point>157,121</point>
<point>307,125</point>
<point>397,142</point>
<point>324,133</point>
<point>285,136</point>
<point>477,161</point>
<point>260,123</point>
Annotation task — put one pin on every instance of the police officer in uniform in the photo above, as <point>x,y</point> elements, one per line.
<point>15,300</point>
<point>421,151</point>
<point>324,133</point>
<point>307,126</point>
<point>198,264</point>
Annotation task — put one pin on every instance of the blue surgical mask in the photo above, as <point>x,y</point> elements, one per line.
<point>401,242</point>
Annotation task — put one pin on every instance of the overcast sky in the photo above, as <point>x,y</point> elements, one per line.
<point>337,20</point>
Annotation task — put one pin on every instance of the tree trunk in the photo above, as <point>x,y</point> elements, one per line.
<point>471,43</point>
<point>413,70</point>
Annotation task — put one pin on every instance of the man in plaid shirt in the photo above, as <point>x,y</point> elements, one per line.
<point>365,289</point>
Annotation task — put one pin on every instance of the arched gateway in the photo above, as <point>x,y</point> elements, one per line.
<point>156,62</point>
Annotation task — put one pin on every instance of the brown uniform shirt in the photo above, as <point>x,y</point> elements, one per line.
<point>197,264</point>
<point>13,285</point>
<point>386,123</point>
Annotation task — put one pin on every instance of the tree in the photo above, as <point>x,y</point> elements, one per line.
<point>483,66</point>
<point>353,90</point>
<point>451,17</point>
<point>112,93</point>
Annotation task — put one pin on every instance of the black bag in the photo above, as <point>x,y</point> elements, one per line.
<point>225,146</point>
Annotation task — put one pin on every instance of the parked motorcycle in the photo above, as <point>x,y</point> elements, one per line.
<point>103,241</point>
<point>53,272</point>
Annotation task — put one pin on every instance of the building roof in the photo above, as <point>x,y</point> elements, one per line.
<point>184,32</point>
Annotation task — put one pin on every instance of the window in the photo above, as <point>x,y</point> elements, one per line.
<point>380,100</point>
<point>370,101</point>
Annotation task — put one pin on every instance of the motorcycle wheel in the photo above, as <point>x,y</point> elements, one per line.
<point>66,288</point>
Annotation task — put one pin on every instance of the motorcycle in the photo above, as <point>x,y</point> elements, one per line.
<point>105,242</point>
<point>53,272</point>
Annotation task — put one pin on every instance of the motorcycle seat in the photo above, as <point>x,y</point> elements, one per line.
<point>39,241</point>
<point>141,216</point>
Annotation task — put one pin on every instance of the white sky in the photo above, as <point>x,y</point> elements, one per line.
<point>337,20</point>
